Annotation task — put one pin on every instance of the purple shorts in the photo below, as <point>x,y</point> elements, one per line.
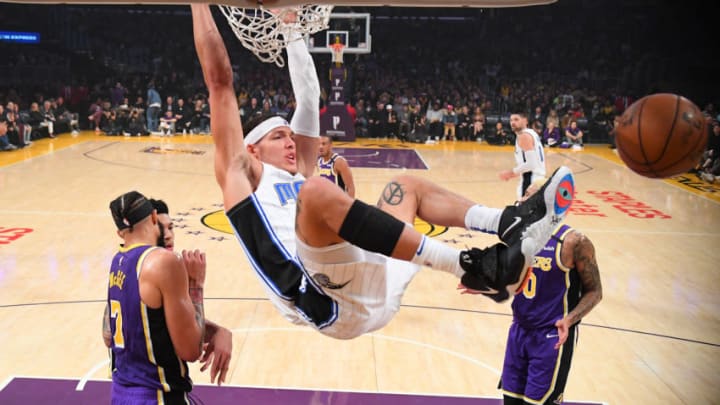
<point>533,369</point>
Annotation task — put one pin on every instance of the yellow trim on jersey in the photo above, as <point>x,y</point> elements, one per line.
<point>150,350</point>
<point>557,366</point>
<point>183,369</point>
<point>141,259</point>
<point>160,398</point>
<point>125,249</point>
<point>563,268</point>
<point>146,325</point>
<point>551,388</point>
<point>513,394</point>
<point>558,249</point>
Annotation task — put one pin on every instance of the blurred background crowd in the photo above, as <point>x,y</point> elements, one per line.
<point>132,69</point>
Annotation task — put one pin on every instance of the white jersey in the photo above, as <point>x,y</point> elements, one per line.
<point>538,172</point>
<point>277,193</point>
<point>341,290</point>
<point>276,200</point>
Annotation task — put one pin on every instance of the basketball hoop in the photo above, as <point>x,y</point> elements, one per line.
<point>261,31</point>
<point>337,52</point>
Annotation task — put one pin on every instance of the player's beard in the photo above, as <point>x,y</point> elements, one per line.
<point>161,239</point>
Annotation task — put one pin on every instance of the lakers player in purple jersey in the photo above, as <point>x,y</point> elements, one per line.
<point>156,315</point>
<point>562,288</point>
<point>334,167</point>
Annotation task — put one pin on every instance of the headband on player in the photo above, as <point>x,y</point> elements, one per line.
<point>129,209</point>
<point>264,128</point>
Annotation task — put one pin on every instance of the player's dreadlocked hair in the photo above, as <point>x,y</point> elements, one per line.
<point>129,209</point>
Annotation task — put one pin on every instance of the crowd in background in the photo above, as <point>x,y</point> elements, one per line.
<point>453,73</point>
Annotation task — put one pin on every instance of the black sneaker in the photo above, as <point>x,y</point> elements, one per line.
<point>500,270</point>
<point>549,204</point>
<point>495,272</point>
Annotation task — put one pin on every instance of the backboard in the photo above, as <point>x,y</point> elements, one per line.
<point>349,29</point>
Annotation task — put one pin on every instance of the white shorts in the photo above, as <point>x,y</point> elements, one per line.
<point>368,287</point>
<point>341,290</point>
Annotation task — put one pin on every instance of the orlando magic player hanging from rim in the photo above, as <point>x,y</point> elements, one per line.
<point>325,259</point>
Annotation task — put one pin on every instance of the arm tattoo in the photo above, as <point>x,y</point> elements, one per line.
<point>107,332</point>
<point>196,296</point>
<point>393,194</point>
<point>586,265</point>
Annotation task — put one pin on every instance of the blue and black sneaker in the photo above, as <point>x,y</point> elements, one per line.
<point>500,270</point>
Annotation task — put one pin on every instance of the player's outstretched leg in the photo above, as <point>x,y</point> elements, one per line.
<point>500,270</point>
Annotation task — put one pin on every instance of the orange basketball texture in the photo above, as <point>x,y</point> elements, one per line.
<point>661,135</point>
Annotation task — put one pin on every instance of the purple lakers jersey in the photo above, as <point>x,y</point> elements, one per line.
<point>142,352</point>
<point>327,170</point>
<point>552,289</point>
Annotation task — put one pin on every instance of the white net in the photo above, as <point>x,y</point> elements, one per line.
<point>261,30</point>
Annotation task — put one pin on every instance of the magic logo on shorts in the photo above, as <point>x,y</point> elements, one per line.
<point>324,280</point>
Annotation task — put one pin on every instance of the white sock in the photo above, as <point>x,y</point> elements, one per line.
<point>438,256</point>
<point>483,219</point>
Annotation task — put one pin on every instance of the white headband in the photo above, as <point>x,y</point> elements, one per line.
<point>264,128</point>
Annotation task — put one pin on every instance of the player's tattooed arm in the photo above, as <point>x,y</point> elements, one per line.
<point>107,333</point>
<point>196,266</point>
<point>587,267</point>
<point>196,296</point>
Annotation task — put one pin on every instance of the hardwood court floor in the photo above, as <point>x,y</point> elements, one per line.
<point>655,337</point>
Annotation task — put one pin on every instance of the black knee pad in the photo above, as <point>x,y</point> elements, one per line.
<point>371,228</point>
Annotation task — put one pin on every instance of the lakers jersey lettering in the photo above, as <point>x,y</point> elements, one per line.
<point>327,173</point>
<point>117,279</point>
<point>327,170</point>
<point>552,289</point>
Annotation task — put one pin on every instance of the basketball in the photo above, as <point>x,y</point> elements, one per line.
<point>661,135</point>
